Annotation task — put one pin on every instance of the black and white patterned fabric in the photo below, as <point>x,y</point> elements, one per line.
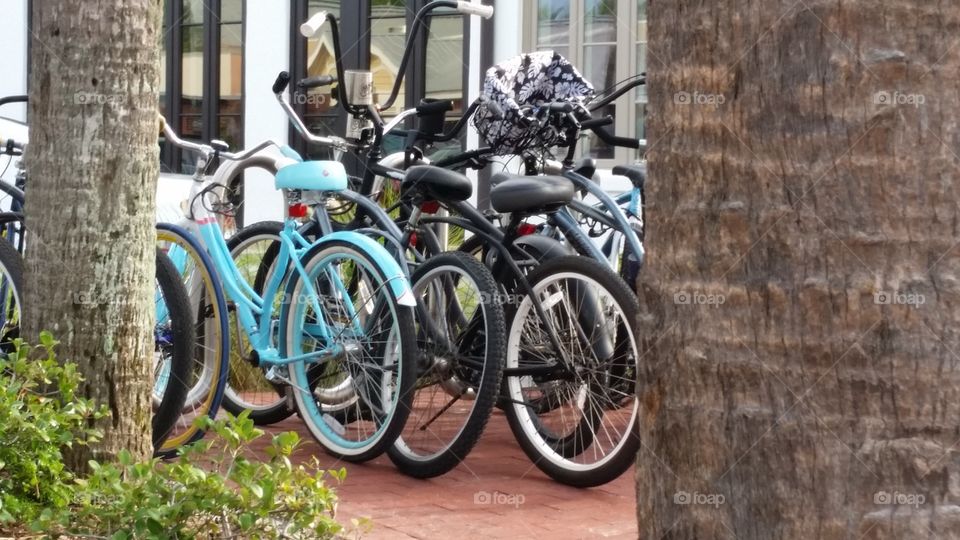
<point>529,79</point>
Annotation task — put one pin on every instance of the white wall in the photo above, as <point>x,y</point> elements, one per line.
<point>267,53</point>
<point>13,61</point>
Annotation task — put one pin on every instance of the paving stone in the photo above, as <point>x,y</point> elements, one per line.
<point>496,493</point>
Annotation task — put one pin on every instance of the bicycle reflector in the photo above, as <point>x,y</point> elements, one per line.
<point>430,207</point>
<point>297,210</point>
<point>526,229</point>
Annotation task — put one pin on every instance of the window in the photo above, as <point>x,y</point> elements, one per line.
<point>606,40</point>
<point>373,35</point>
<point>202,75</point>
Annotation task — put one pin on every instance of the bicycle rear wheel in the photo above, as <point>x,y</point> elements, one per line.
<point>173,339</point>
<point>254,250</point>
<point>367,342</point>
<point>571,410</point>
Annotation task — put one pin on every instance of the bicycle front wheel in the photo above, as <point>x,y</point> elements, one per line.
<point>461,335</point>
<point>357,336</point>
<point>210,353</point>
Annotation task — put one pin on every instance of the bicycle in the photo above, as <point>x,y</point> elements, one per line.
<point>570,338</point>
<point>323,331</point>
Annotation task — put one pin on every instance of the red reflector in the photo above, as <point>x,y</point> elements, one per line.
<point>525,228</point>
<point>430,207</point>
<point>413,240</point>
<point>297,210</point>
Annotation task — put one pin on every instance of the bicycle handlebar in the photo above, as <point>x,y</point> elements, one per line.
<point>206,150</point>
<point>642,79</point>
<point>311,28</point>
<point>13,99</point>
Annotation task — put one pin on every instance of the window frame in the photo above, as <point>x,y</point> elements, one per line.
<point>173,92</point>
<point>625,120</point>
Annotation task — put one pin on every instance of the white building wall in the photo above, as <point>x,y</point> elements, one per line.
<point>13,61</point>
<point>266,53</point>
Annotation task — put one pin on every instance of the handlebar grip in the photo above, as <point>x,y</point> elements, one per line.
<point>283,79</point>
<point>613,140</point>
<point>316,82</point>
<point>475,8</point>
<point>310,28</point>
<point>596,122</point>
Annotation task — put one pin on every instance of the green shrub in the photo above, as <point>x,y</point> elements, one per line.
<point>214,489</point>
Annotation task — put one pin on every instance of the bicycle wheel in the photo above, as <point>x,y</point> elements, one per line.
<point>210,354</point>
<point>370,341</point>
<point>173,338</point>
<point>461,335</point>
<point>254,250</point>
<point>568,408</point>
<point>11,287</point>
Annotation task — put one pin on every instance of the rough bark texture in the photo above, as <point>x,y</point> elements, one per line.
<point>802,287</point>
<point>93,167</point>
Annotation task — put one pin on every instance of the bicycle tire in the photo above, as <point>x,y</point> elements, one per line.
<point>555,455</point>
<point>211,352</point>
<point>175,329</point>
<point>453,379</point>
<point>11,270</point>
<point>327,430</point>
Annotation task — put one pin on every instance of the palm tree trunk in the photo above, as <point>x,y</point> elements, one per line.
<point>803,343</point>
<point>93,167</point>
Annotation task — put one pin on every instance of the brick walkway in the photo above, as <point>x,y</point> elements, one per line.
<point>496,493</point>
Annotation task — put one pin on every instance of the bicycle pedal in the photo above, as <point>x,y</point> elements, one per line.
<point>278,375</point>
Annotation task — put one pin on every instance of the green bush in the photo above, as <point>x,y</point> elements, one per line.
<point>214,489</point>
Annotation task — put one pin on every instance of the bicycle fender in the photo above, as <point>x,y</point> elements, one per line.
<point>399,283</point>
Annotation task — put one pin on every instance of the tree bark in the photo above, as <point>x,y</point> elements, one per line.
<point>93,167</point>
<point>803,340</point>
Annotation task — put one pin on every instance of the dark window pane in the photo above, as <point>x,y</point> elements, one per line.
<point>191,126</point>
<point>601,21</point>
<point>193,11</point>
<point>388,35</point>
<point>553,22</point>
<point>192,70</point>
<point>445,61</point>
<point>231,130</point>
<point>231,11</point>
<point>231,69</point>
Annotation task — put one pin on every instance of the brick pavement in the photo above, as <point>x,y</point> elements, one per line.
<point>495,493</point>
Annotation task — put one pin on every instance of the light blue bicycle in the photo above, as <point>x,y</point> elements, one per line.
<point>345,315</point>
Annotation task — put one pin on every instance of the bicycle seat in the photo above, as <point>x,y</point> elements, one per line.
<point>313,176</point>
<point>586,167</point>
<point>437,184</point>
<point>636,173</point>
<point>533,194</point>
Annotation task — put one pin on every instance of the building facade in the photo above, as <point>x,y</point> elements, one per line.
<point>220,58</point>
